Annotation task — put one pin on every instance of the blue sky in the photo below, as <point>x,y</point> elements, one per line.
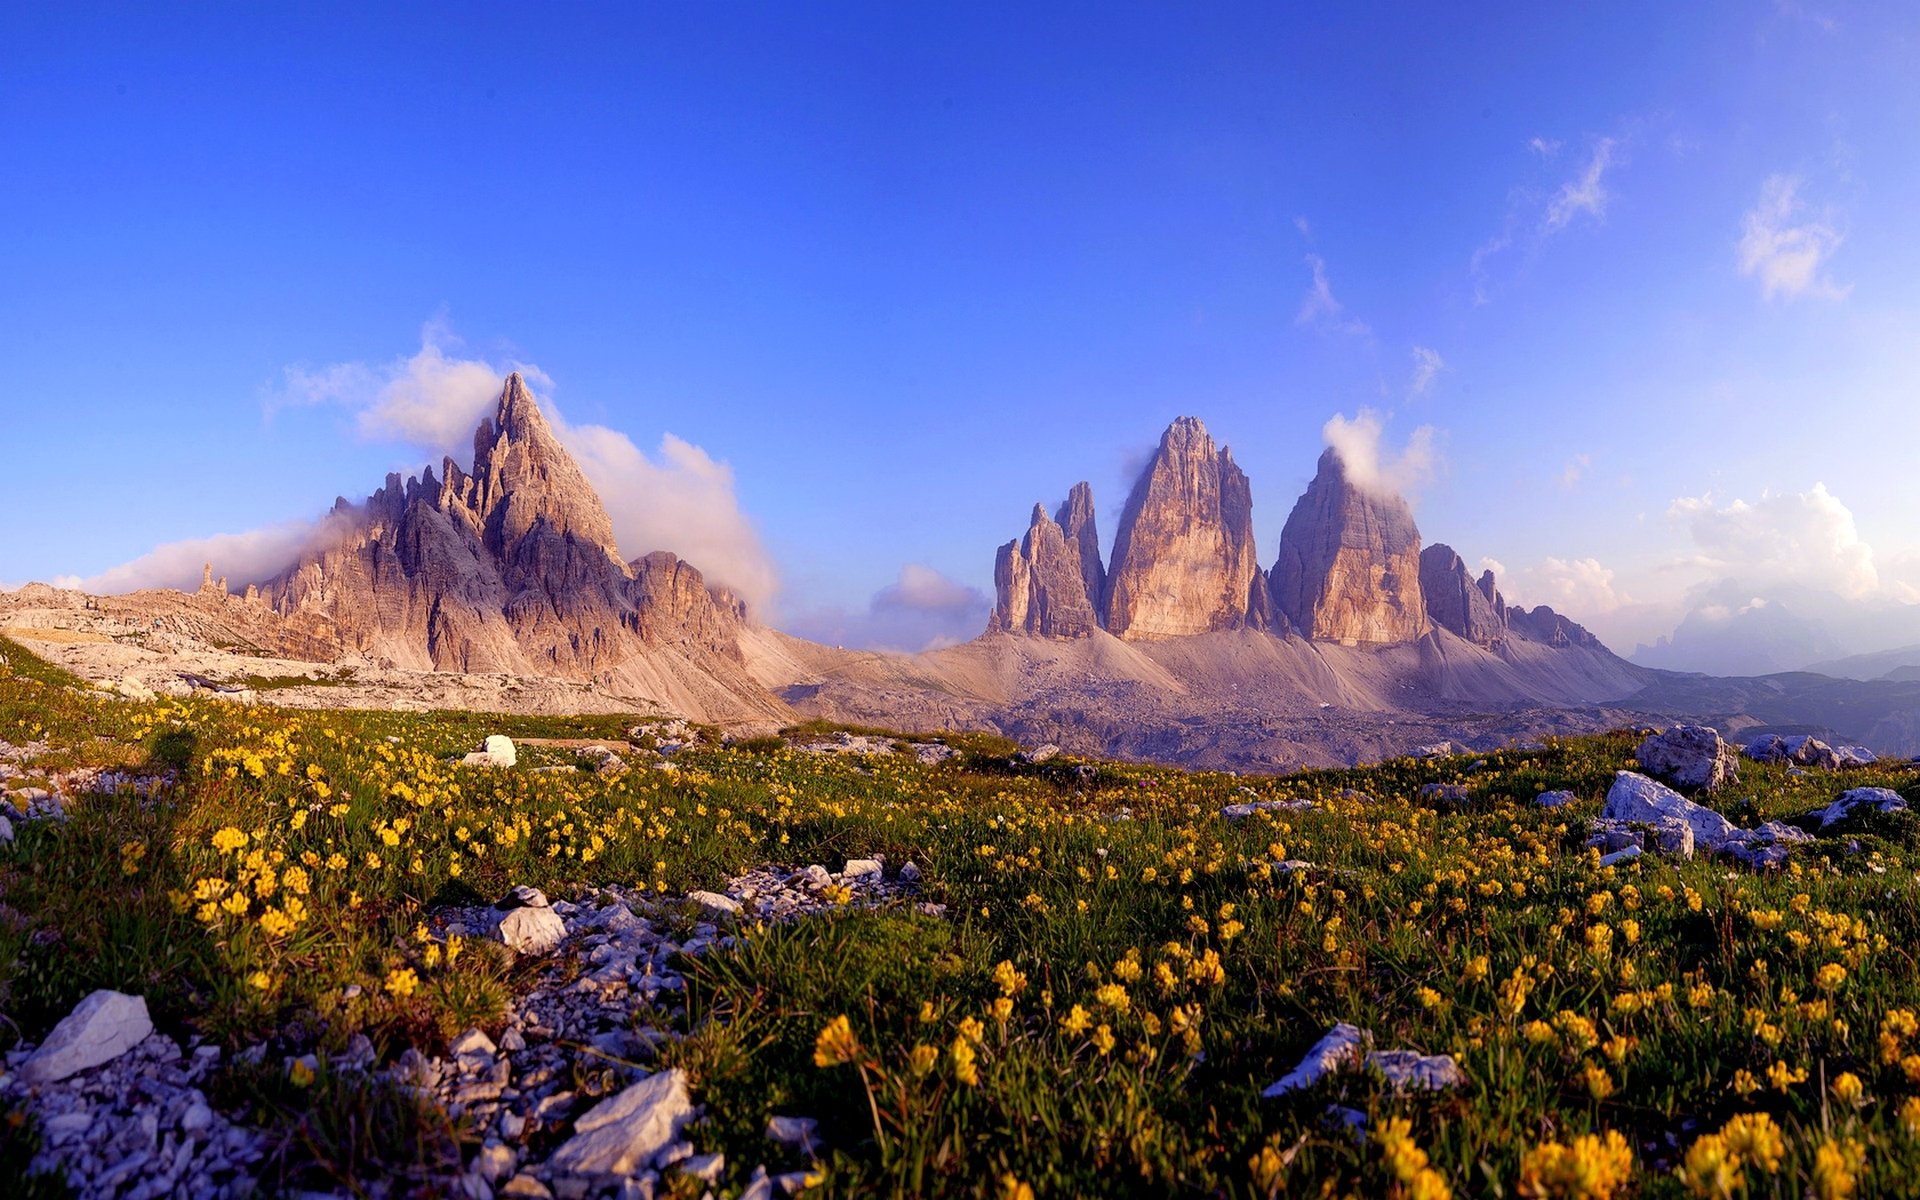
<point>891,273</point>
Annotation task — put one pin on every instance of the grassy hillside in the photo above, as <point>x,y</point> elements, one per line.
<point>1119,972</point>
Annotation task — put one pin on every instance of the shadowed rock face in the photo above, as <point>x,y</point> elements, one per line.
<point>1185,561</point>
<point>1040,583</point>
<point>1349,567</point>
<point>1456,602</point>
<point>1075,519</point>
<point>513,568</point>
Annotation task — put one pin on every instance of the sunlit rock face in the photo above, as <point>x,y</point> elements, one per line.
<point>1349,566</point>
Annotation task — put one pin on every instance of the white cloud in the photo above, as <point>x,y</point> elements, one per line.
<point>1585,192</point>
<point>1576,467</point>
<point>250,557</point>
<point>431,400</point>
<point>1357,441</point>
<point>681,499</point>
<point>1790,537</point>
<point>1320,310</point>
<point>1578,587</point>
<point>921,610</point>
<point>1787,257</point>
<point>1544,147</point>
<point>1427,365</point>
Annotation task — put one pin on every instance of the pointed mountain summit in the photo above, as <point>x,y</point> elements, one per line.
<point>1349,567</point>
<point>514,568</point>
<point>1456,602</point>
<point>1075,519</point>
<point>1184,561</point>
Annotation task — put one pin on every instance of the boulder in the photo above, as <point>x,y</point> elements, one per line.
<point>1554,799</point>
<point>623,1135</point>
<point>100,1029</point>
<point>1858,801</point>
<point>1689,756</point>
<point>496,752</point>
<point>1856,756</point>
<point>1642,801</point>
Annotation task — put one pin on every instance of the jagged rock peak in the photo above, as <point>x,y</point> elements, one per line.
<point>1039,585</point>
<point>1076,520</point>
<point>523,476</point>
<point>1184,558</point>
<point>1455,601</point>
<point>1349,566</point>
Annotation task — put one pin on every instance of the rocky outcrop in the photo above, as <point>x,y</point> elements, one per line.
<point>1456,602</point>
<point>1040,582</point>
<point>1549,628</point>
<point>1349,567</point>
<point>1184,559</point>
<point>512,568</point>
<point>1689,756</point>
<point>1075,519</point>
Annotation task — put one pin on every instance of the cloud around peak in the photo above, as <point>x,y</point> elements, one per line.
<point>1370,465</point>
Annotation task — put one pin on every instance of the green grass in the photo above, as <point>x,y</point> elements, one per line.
<point>1103,1000</point>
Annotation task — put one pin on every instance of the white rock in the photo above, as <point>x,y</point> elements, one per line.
<point>1046,753</point>
<point>1343,1049</point>
<point>1639,799</point>
<point>909,873</point>
<point>1859,800</point>
<point>707,1168</point>
<point>714,902</point>
<point>99,1029</point>
<point>1691,756</point>
<point>531,930</point>
<point>857,868</point>
<point>496,752</point>
<point>495,1161</point>
<point>622,1135</point>
<point>1339,1050</point>
<point>1620,856</point>
<point>1856,756</point>
<point>1554,799</point>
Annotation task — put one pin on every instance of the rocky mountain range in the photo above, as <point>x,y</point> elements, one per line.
<point>502,586</point>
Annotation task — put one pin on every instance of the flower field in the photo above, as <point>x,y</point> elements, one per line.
<point>1118,973</point>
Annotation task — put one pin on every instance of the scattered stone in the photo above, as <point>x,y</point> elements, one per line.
<point>100,1029</point>
<point>6,830</point>
<point>1638,799</point>
<point>624,1134</point>
<point>1689,756</point>
<point>909,873</point>
<point>522,896</point>
<point>932,754</point>
<point>1291,865</point>
<point>714,902</point>
<point>525,1187</point>
<point>1554,799</point>
<point>1042,754</point>
<point>1443,791</point>
<point>1856,756</point>
<point>1850,803</point>
<point>858,868</point>
<point>1240,812</point>
<point>1801,750</point>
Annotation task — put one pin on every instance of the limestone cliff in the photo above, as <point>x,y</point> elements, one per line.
<point>1040,583</point>
<point>1184,560</point>
<point>1349,566</point>
<point>1456,602</point>
<point>1075,519</point>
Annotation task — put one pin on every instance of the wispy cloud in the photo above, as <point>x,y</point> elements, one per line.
<point>1427,365</point>
<point>1544,147</point>
<point>1585,192</point>
<point>1575,470</point>
<point>1321,311</point>
<point>1786,249</point>
<point>1359,441</point>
